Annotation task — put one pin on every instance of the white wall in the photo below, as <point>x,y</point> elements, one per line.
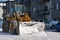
<point>2,4</point>
<point>1,12</point>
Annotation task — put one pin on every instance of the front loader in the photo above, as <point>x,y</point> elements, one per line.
<point>13,26</point>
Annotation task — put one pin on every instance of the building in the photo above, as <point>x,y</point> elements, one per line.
<point>52,7</point>
<point>35,8</point>
<point>55,9</point>
<point>39,9</point>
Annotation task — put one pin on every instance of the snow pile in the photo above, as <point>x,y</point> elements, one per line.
<point>31,27</point>
<point>35,36</point>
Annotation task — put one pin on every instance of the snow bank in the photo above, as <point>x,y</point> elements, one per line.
<point>31,27</point>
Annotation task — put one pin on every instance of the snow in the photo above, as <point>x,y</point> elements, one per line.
<point>34,34</point>
<point>31,27</point>
<point>0,29</point>
<point>29,33</point>
<point>53,35</point>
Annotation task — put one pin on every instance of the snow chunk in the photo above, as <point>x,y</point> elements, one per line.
<point>31,27</point>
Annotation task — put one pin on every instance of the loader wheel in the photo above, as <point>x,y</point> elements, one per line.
<point>5,28</point>
<point>15,29</point>
<point>53,26</point>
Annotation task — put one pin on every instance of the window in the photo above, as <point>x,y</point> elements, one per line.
<point>36,10</point>
<point>58,5</point>
<point>33,9</point>
<point>46,9</point>
<point>26,2</point>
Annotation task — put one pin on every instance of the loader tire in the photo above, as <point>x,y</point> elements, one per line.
<point>5,26</point>
<point>5,29</point>
<point>15,29</point>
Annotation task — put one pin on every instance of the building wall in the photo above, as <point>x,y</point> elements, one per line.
<point>36,9</point>
<point>55,13</point>
<point>30,7</point>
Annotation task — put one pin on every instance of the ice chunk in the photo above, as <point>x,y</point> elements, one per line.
<point>32,27</point>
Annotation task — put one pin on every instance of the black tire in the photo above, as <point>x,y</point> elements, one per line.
<point>17,31</point>
<point>12,31</point>
<point>16,28</point>
<point>6,25</point>
<point>53,27</point>
<point>5,29</point>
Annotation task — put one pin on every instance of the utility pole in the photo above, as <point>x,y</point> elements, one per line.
<point>50,9</point>
<point>22,6</point>
<point>44,13</point>
<point>9,5</point>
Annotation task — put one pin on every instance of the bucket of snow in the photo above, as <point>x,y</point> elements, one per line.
<point>31,27</point>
